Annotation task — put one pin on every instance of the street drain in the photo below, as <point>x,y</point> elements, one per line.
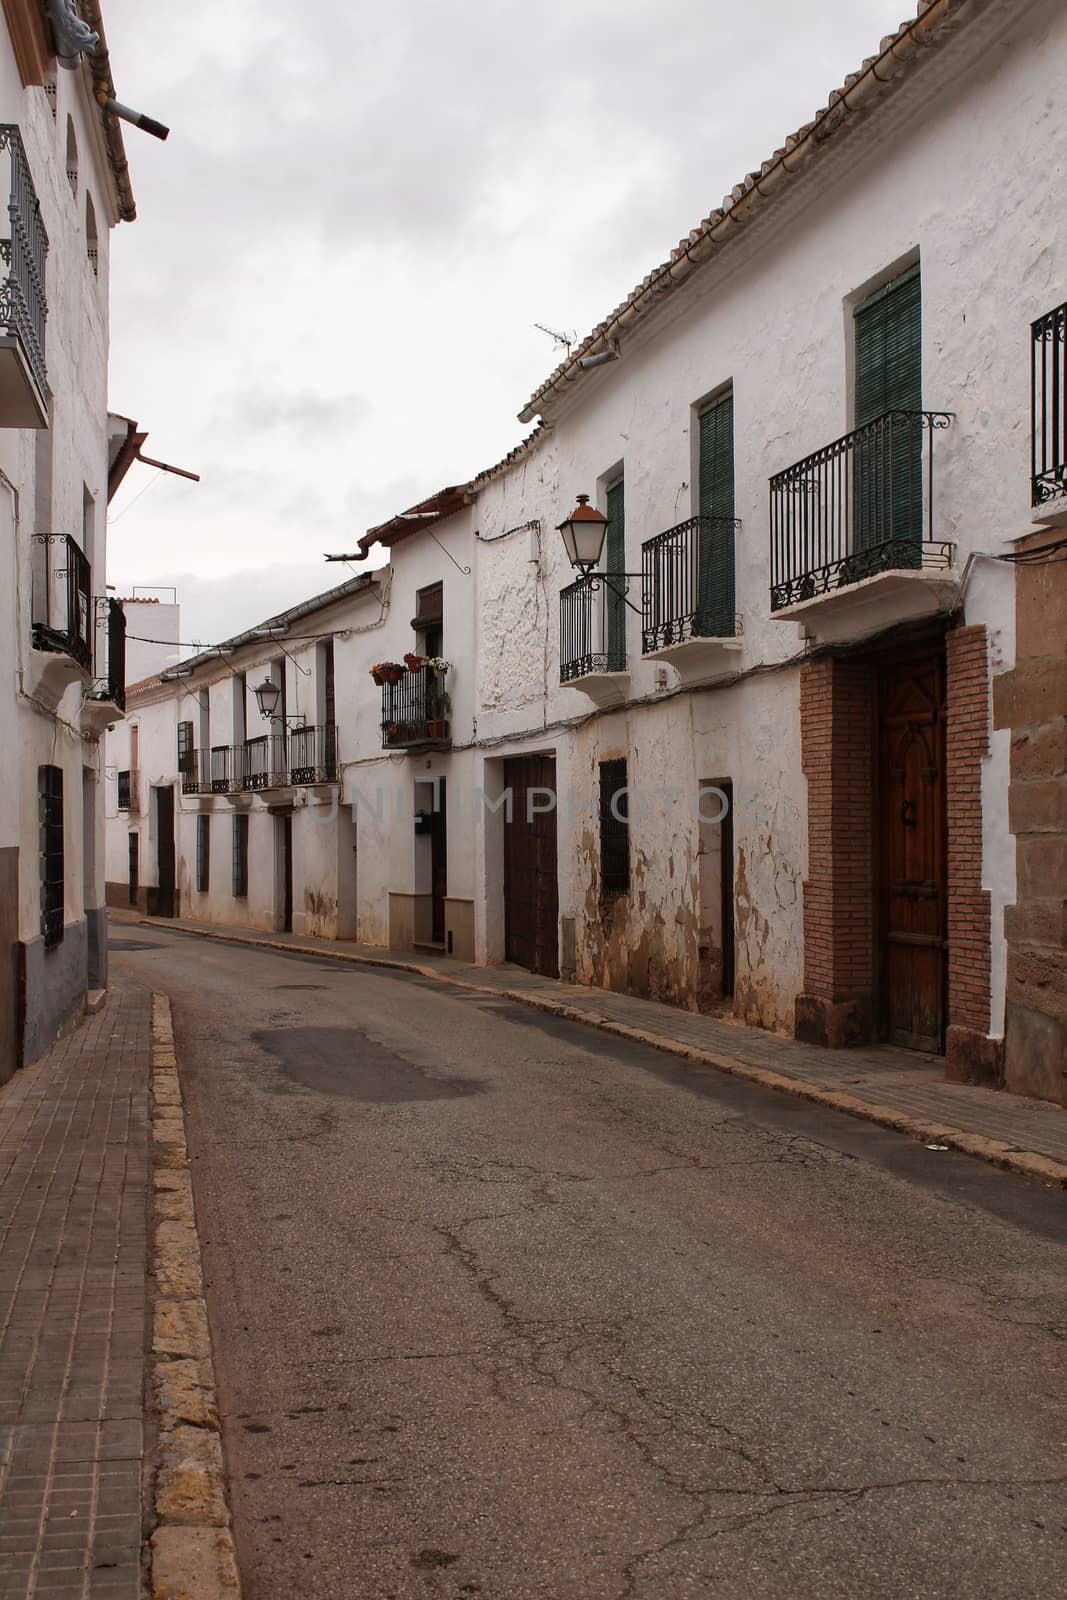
<point>345,1063</point>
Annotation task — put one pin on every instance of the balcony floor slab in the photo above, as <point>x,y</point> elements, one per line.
<point>696,658</point>
<point>603,688</point>
<point>859,610</point>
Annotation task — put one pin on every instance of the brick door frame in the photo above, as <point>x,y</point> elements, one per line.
<point>838,1004</point>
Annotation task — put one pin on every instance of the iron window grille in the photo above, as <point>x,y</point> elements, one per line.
<point>221,768</point>
<point>614,828</point>
<point>109,679</point>
<point>188,766</point>
<point>23,307</point>
<point>857,507</point>
<point>62,601</point>
<point>687,583</point>
<point>1048,407</point>
<point>124,791</point>
<point>589,638</point>
<point>313,754</point>
<point>415,711</point>
<point>50,801</point>
<point>203,853</point>
<point>240,857</point>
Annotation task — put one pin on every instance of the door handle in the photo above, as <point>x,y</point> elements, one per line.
<point>907,814</point>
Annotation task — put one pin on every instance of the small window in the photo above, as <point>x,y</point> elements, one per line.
<point>240,857</point>
<point>203,853</point>
<point>124,791</point>
<point>185,747</point>
<point>50,802</point>
<point>614,828</point>
<point>72,158</point>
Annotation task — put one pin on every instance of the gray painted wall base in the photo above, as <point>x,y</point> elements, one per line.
<point>97,926</point>
<point>54,984</point>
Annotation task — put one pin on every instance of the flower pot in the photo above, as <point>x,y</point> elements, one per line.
<point>379,677</point>
<point>413,662</point>
<point>391,675</point>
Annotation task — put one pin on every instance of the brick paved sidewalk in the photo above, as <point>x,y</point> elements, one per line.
<point>74,1186</point>
<point>901,1081</point>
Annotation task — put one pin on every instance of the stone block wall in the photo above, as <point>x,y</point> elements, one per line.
<point>1031,701</point>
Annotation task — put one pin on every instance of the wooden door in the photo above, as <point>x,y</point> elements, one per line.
<point>285,863</point>
<point>438,862</point>
<point>531,891</point>
<point>165,875</point>
<point>910,849</point>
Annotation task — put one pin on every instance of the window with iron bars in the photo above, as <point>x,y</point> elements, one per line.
<point>124,791</point>
<point>614,828</point>
<point>203,853</point>
<point>50,801</point>
<point>240,857</point>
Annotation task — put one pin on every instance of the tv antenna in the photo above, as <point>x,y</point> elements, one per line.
<point>562,341</point>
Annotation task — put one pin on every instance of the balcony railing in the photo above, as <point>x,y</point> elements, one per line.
<point>109,667</point>
<point>592,628</point>
<point>415,710</point>
<point>687,583</point>
<point>313,754</point>
<point>23,308</point>
<point>1048,375</point>
<point>856,508</point>
<point>271,761</point>
<point>62,602</point>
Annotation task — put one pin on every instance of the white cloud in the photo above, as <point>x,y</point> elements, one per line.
<point>326,304</point>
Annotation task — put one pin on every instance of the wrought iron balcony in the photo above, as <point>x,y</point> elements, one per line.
<point>415,711</point>
<point>109,667</point>
<point>62,600</point>
<point>261,763</point>
<point>592,628</point>
<point>687,584</point>
<point>857,508</point>
<point>313,754</point>
<point>1048,384</point>
<point>23,310</point>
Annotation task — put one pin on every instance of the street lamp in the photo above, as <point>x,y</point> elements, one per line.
<point>583,533</point>
<point>267,696</point>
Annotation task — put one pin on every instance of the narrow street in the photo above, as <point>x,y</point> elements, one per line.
<point>506,1308</point>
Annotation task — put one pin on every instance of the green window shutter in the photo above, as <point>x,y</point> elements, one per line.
<point>887,491</point>
<point>715,571</point>
<point>615,561</point>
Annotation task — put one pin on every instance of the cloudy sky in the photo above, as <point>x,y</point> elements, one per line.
<point>326,305</point>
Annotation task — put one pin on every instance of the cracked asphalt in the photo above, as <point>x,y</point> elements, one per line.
<point>505,1308</point>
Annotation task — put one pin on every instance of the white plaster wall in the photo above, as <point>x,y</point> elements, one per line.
<point>76,356</point>
<point>150,620</point>
<point>776,322</point>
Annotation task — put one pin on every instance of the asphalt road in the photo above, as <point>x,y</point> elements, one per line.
<point>505,1308</point>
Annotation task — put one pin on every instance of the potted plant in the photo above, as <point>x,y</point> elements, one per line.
<point>413,662</point>
<point>387,671</point>
<point>438,709</point>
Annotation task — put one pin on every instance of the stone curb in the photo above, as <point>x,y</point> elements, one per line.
<point>1026,1163</point>
<point>191,1551</point>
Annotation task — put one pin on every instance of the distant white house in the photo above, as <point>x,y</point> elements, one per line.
<point>750,763</point>
<point>64,171</point>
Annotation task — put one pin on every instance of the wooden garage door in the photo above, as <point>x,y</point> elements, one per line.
<point>531,893</point>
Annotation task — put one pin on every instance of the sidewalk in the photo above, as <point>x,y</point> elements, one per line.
<point>897,1088</point>
<point>74,1187</point>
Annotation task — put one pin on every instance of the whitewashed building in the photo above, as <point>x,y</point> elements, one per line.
<point>755,766</point>
<point>64,167</point>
